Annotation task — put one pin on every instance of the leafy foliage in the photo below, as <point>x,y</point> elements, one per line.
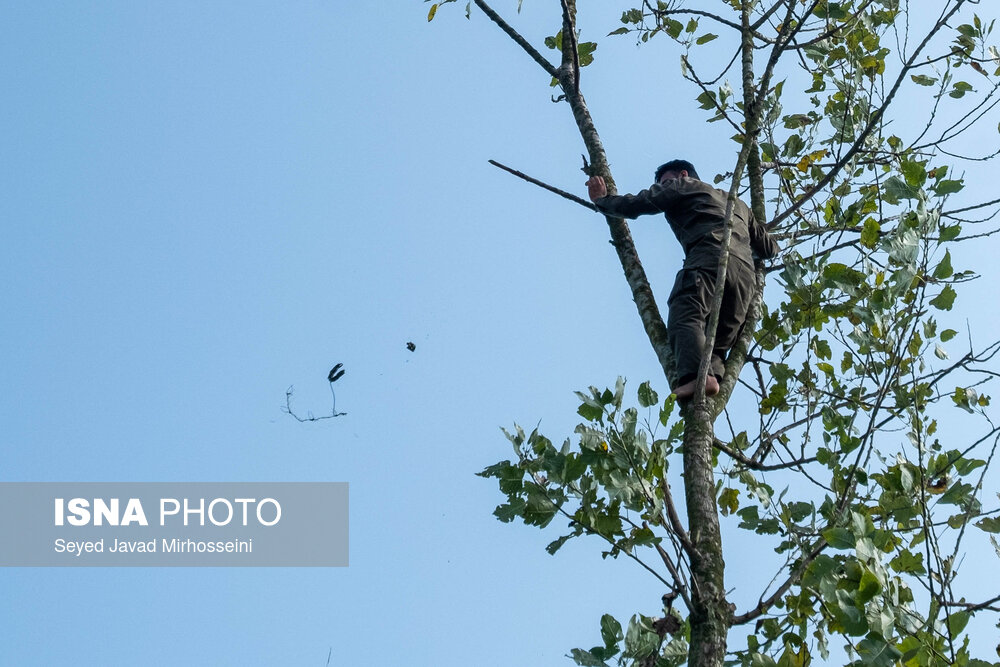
<point>859,555</point>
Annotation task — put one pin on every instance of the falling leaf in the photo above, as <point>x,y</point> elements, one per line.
<point>336,373</point>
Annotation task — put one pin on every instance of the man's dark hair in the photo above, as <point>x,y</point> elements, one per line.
<point>675,165</point>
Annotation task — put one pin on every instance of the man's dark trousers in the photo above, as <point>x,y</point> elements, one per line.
<point>690,306</point>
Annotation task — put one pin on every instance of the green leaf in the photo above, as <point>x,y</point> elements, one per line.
<point>705,39</point>
<point>848,615</point>
<point>509,511</point>
<point>830,10</point>
<point>964,398</point>
<point>590,412</point>
<point>707,100</point>
<point>870,233</point>
<point>611,630</point>
<point>908,562</point>
<point>729,501</point>
<point>585,52</point>
<point>923,80</point>
<point>619,31</point>
<point>944,269</point>
<point>877,652</point>
<point>586,658</point>
<point>632,16</point>
<point>750,516</point>
<point>669,403</point>
<point>762,660</point>
<point>914,173</point>
<point>432,12</point>
<point>965,466</point>
<point>882,622</point>
<point>554,546</point>
<point>957,494</point>
<point>945,299</point>
<point>647,397</point>
<point>868,587</point>
<point>846,363</point>
<point>573,469</point>
<point>957,622</point>
<point>896,189</point>
<point>950,232</point>
<point>640,640</point>
<point>797,121</point>
<point>989,524</point>
<point>796,655</point>
<point>960,89</point>
<point>793,146</point>
<point>947,187</point>
<point>838,274</point>
<point>839,538</point>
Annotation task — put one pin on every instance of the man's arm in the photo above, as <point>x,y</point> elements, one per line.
<point>625,206</point>
<point>761,242</point>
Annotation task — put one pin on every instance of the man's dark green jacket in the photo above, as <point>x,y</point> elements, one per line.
<point>697,213</point>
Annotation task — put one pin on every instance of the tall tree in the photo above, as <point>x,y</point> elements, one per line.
<point>850,357</point>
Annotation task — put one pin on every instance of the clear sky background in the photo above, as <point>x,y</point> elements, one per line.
<point>204,203</point>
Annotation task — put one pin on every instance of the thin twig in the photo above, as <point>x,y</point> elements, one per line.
<point>974,607</point>
<point>310,418</point>
<point>674,518</point>
<point>681,588</point>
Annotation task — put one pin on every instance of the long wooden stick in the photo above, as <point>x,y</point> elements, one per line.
<point>561,193</point>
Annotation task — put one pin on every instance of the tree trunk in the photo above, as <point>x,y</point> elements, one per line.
<point>710,612</point>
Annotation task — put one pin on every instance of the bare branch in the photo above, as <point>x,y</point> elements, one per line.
<point>989,604</point>
<point>764,605</point>
<point>969,208</point>
<point>673,517</point>
<point>681,586</point>
<point>521,41</point>
<point>755,465</point>
<point>550,188</point>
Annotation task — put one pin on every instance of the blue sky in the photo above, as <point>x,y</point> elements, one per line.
<point>204,203</point>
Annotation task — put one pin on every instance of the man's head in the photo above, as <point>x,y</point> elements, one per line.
<point>674,169</point>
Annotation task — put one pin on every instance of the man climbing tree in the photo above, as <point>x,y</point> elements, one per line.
<point>697,214</point>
